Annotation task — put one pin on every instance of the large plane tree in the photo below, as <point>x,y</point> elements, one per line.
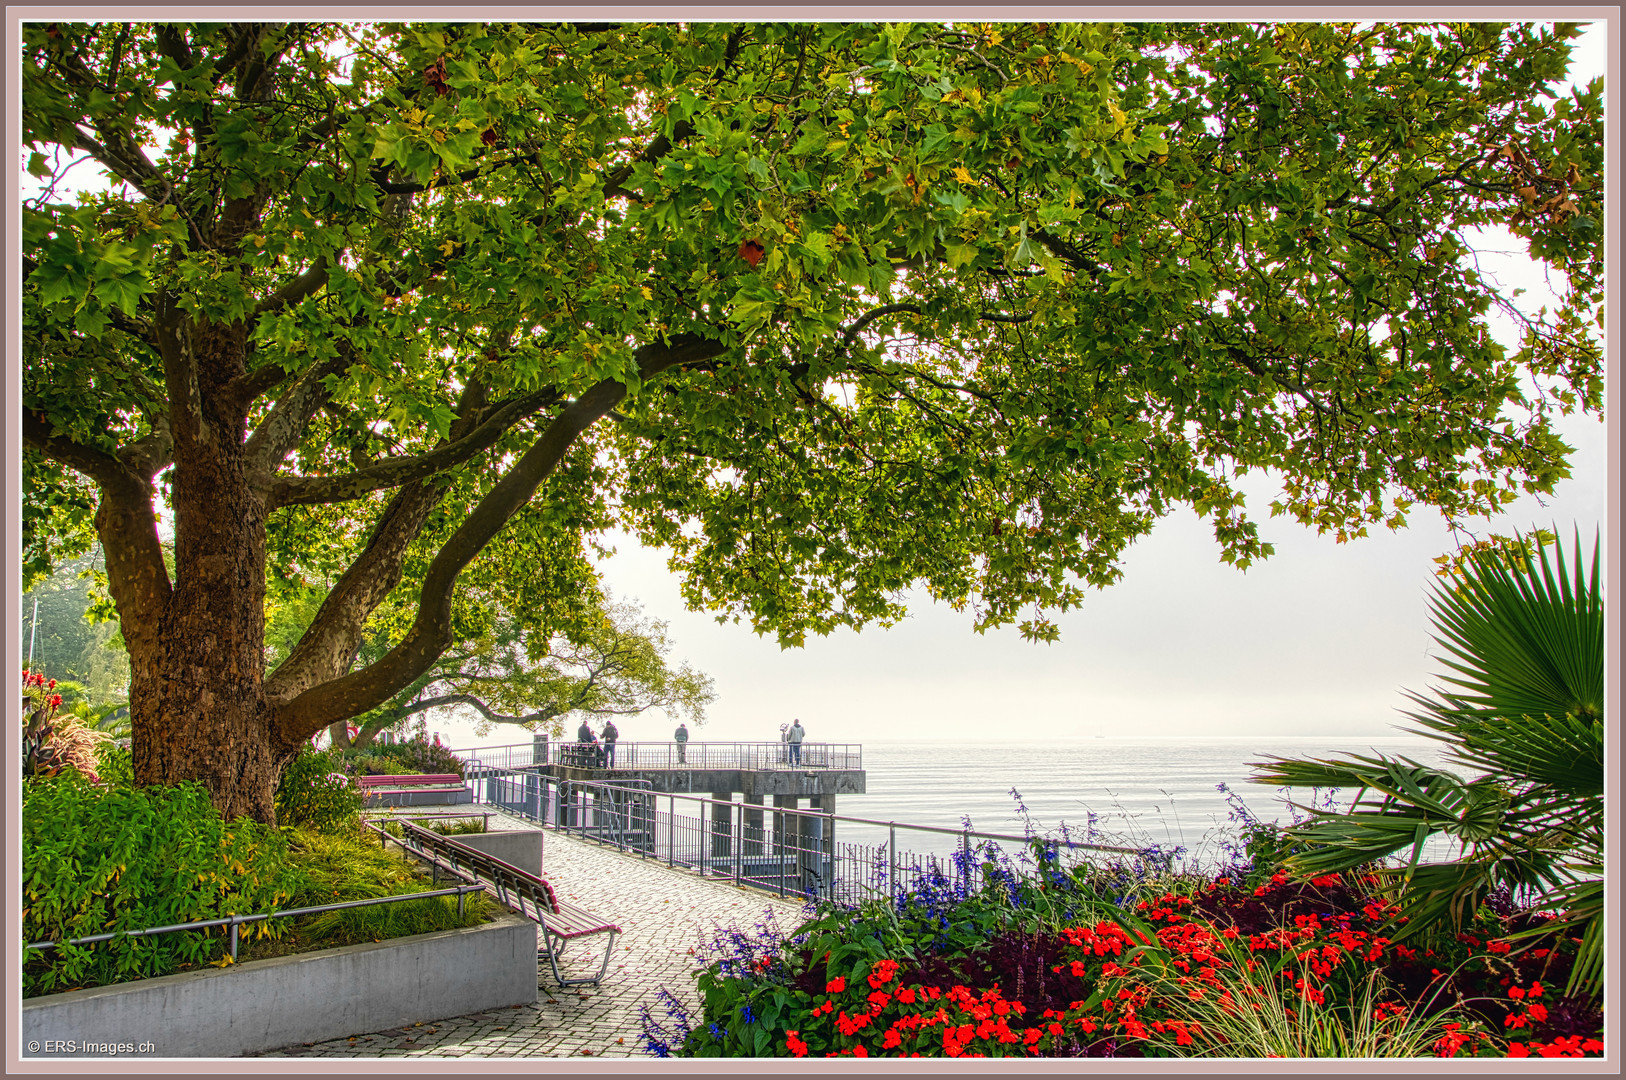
<point>832,310</point>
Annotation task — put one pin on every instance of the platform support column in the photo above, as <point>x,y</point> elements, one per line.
<point>786,842</point>
<point>753,825</point>
<point>722,823</point>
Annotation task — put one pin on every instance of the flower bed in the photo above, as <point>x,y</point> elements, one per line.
<point>1029,966</point>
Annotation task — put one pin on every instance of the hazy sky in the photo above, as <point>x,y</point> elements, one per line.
<point>1319,639</point>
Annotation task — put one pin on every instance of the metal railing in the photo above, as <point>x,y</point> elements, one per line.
<point>779,848</point>
<point>669,755</point>
<point>236,921</point>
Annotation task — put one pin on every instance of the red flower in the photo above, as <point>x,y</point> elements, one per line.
<point>882,973</point>
<point>795,1045</point>
<point>835,985</point>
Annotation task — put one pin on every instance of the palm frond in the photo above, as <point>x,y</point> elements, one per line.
<point>1521,702</point>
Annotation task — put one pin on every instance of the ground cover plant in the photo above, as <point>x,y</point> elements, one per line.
<point>101,854</point>
<point>1047,956</point>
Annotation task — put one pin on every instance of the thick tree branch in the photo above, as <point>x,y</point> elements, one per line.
<point>296,289</point>
<point>329,645</point>
<point>100,466</point>
<point>279,432</point>
<point>310,491</point>
<point>153,452</point>
<point>127,527</point>
<point>359,691</point>
<point>180,370</point>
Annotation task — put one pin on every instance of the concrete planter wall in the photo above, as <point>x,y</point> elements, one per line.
<point>268,1004</point>
<point>520,848</point>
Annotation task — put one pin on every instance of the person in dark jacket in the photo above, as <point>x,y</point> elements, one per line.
<point>610,735</point>
<point>589,752</point>
<point>681,737</point>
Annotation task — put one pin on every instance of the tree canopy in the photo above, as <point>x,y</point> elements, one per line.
<point>832,310</point>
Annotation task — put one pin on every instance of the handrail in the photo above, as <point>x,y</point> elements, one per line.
<point>802,856</point>
<point>235,921</point>
<point>866,821</point>
<point>656,754</point>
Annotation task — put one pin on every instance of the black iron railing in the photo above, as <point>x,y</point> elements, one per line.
<point>780,848</point>
<point>670,755</point>
<point>233,922</point>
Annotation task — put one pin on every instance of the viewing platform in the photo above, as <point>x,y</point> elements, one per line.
<point>769,806</point>
<point>755,770</point>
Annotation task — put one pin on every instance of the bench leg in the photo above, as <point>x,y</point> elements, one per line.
<point>554,949</point>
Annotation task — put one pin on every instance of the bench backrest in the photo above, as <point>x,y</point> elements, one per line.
<point>410,778</point>
<point>512,883</point>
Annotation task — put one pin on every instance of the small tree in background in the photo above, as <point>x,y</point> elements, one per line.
<point>614,663</point>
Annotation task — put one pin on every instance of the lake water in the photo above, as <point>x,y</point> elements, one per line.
<point>1141,789</point>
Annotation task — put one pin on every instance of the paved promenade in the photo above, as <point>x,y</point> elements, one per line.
<point>663,914</point>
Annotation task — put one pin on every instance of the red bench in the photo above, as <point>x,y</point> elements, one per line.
<point>383,785</point>
<point>531,896</point>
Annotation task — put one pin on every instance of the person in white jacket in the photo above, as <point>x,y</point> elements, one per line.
<point>794,738</point>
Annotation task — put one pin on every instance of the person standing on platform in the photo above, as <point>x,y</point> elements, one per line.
<point>610,735</point>
<point>794,738</point>
<point>681,737</point>
<point>585,737</point>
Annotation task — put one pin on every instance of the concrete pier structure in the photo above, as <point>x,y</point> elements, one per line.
<point>704,804</point>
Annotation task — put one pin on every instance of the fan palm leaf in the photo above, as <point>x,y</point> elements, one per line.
<point>1522,702</point>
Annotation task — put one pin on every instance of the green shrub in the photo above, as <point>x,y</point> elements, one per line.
<point>114,765</point>
<point>369,764</point>
<point>316,792</point>
<point>97,859</point>
<point>422,756</point>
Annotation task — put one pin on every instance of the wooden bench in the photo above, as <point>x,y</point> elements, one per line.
<point>582,755</point>
<point>389,785</point>
<point>531,896</point>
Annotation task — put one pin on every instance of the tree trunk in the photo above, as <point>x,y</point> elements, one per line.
<point>197,704</point>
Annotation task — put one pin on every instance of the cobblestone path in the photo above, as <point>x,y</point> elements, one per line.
<point>662,913</point>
